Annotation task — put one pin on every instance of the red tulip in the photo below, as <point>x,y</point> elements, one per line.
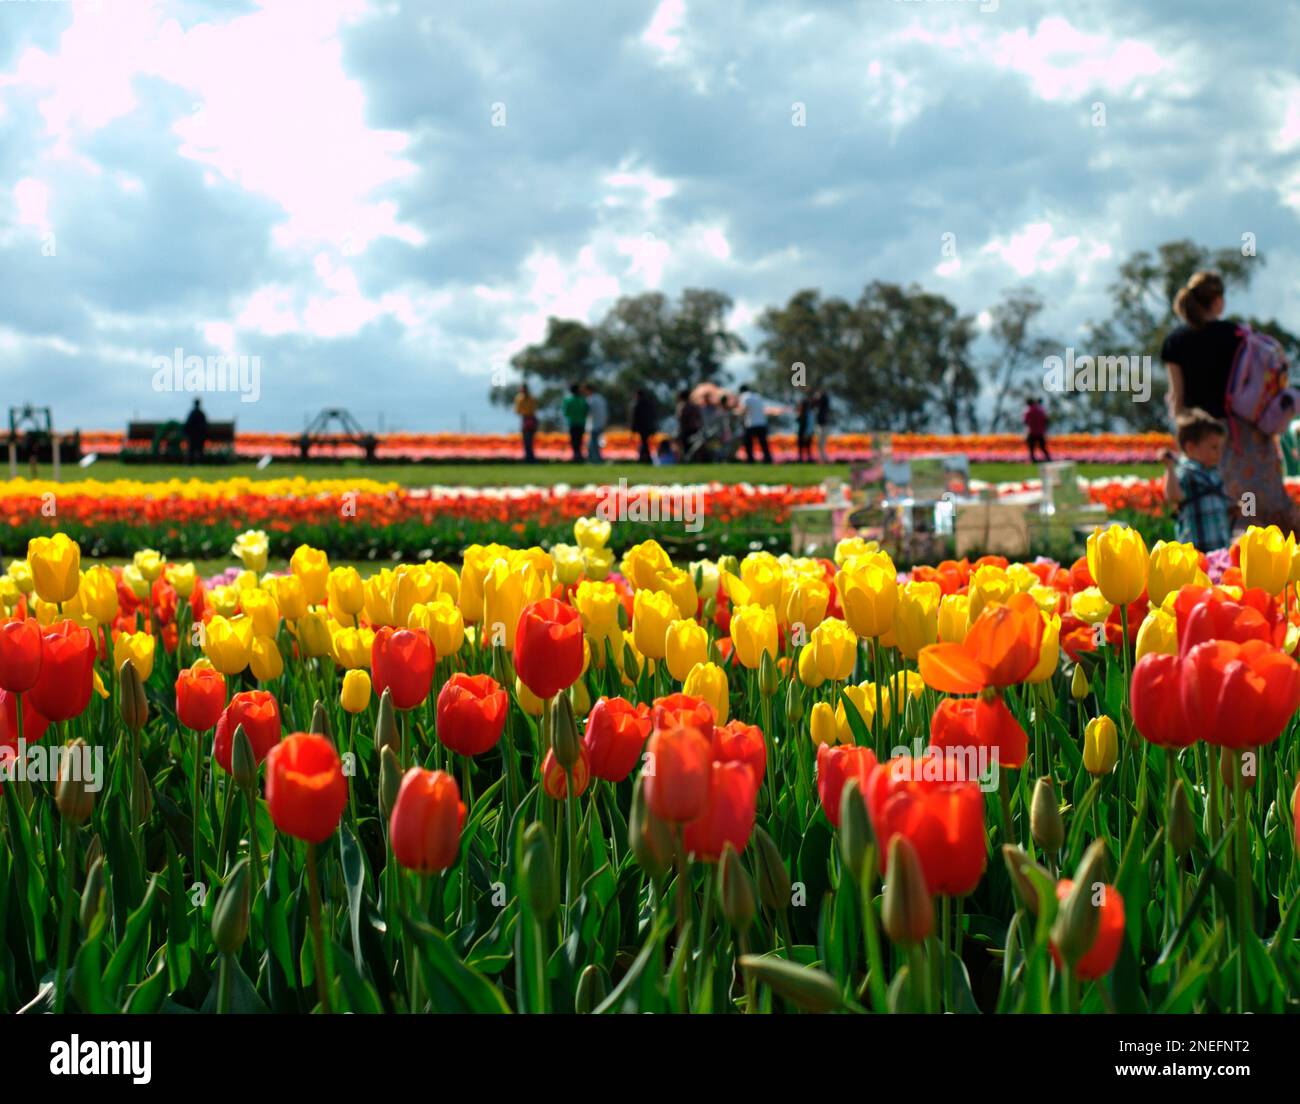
<point>471,713</point>
<point>728,815</point>
<point>943,820</point>
<point>427,819</point>
<point>555,782</point>
<point>402,660</point>
<point>835,766</point>
<point>738,742</point>
<point>1203,614</point>
<point>1100,958</point>
<point>259,713</point>
<point>1157,701</point>
<point>616,733</point>
<point>63,688</point>
<point>1240,695</point>
<point>34,725</point>
<point>960,723</point>
<point>200,697</point>
<point>677,773</point>
<point>305,787</point>
<point>20,655</point>
<point>548,647</point>
<point>683,710</point>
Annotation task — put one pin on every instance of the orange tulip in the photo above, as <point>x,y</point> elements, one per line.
<point>678,773</point>
<point>426,821</point>
<point>1001,649</point>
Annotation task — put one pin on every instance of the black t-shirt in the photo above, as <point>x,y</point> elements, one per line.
<point>1205,356</point>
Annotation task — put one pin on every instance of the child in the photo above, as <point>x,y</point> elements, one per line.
<point>1193,484</point>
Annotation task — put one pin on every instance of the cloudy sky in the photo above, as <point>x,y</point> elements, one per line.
<point>383,200</point>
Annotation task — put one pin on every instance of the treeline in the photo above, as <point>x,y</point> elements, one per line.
<point>896,358</point>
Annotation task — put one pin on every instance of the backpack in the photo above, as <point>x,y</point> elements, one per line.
<point>1258,390</point>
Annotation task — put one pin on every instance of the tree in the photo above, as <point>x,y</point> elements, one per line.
<point>1018,353</point>
<point>567,355</point>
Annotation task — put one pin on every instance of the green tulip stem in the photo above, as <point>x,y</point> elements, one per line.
<point>317,935</point>
<point>65,921</point>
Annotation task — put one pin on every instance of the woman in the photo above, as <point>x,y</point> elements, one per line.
<point>804,430</point>
<point>526,408</point>
<point>1198,356</point>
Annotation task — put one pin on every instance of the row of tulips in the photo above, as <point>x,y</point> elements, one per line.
<point>618,444</point>
<point>572,780</point>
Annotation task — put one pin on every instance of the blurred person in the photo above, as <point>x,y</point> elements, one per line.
<point>753,410</point>
<point>1035,419</point>
<point>689,424</point>
<point>822,406</point>
<point>597,423</point>
<point>574,411</point>
<point>643,419</point>
<point>526,408</point>
<point>803,416</point>
<point>196,432</point>
<point>1193,484</point>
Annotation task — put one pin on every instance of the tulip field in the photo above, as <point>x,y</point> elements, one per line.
<point>595,778</point>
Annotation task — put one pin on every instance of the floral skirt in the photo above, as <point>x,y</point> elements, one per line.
<point>1252,475</point>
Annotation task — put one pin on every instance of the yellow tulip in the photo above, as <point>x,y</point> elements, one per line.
<point>591,532</point>
<point>98,594</point>
<point>834,649</point>
<point>265,659</point>
<point>248,579</point>
<point>709,681</point>
<point>764,578</point>
<point>251,548</point>
<point>707,578</point>
<point>868,590</point>
<point>506,591</point>
<point>1090,605</point>
<point>686,644</point>
<point>821,724</point>
<point>809,673</point>
<point>345,591</point>
<point>1022,578</point>
<point>355,695</point>
<point>138,648</point>
<point>954,618</point>
<point>569,563</point>
<point>223,599</point>
<point>904,686</point>
<point>1158,633</point>
<point>863,697</point>
<point>597,562</point>
<point>803,604</point>
<point>678,583</point>
<point>475,564</point>
<point>652,612</point>
<point>1049,653</point>
<point>1118,560</point>
<point>149,563</point>
<point>1171,567</point>
<point>916,617</point>
<point>1048,599</point>
<point>311,567</point>
<point>351,647</point>
<point>989,586</point>
<point>290,596</point>
<point>529,702</point>
<point>1266,558</point>
<point>56,567</point>
<point>228,643</point>
<point>260,606</point>
<point>313,635</point>
<point>9,593</point>
<point>643,562</point>
<point>1100,746</point>
<point>753,632</point>
<point>182,578</point>
<point>20,571</point>
<point>851,547</point>
<point>443,621</point>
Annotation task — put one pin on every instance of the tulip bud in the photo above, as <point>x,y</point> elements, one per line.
<point>92,895</point>
<point>386,734</point>
<point>74,802</point>
<point>593,988</point>
<point>855,829</point>
<point>710,607</point>
<point>564,732</point>
<point>1045,823</point>
<point>390,780</point>
<point>243,760</point>
<point>94,852</point>
<point>621,611</point>
<point>1232,764</point>
<point>794,702</point>
<point>1079,683</point>
<point>502,669</point>
<point>650,838</point>
<point>1018,865</point>
<point>1078,917</point>
<point>631,668</point>
<point>807,988</point>
<point>230,916</point>
<point>773,878</point>
<point>132,703</point>
<point>1100,746</point>
<point>1181,825</point>
<point>822,725</point>
<point>734,890</point>
<point>769,679</point>
<point>728,565</point>
<point>320,722</point>
<point>141,795</point>
<point>538,871</point>
<point>908,911</point>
